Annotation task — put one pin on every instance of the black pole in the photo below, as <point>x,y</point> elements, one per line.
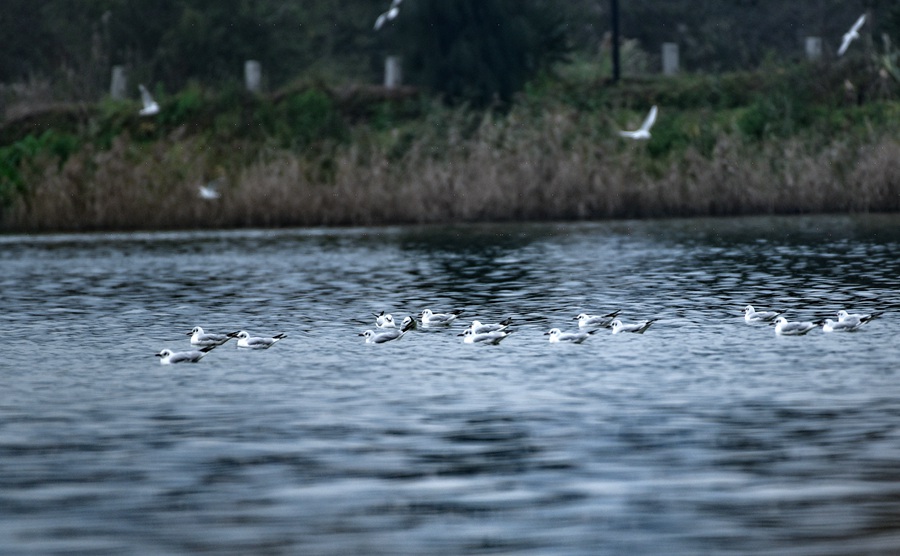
<point>617,72</point>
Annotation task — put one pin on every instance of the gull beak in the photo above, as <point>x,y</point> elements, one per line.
<point>189,334</point>
<point>158,354</point>
<point>546,333</point>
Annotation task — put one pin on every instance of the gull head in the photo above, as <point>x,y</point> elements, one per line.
<point>385,321</point>
<point>243,334</point>
<point>165,353</point>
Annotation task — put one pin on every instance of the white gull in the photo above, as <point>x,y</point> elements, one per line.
<point>644,131</point>
<point>851,35</point>
<point>246,341</point>
<point>150,107</point>
<point>169,357</point>
<point>785,328</point>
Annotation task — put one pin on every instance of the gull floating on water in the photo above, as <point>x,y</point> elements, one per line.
<point>596,321</point>
<point>150,107</point>
<point>490,337</point>
<point>851,35</point>
<point>389,334</point>
<point>409,323</point>
<point>169,357</point>
<point>752,315</point>
<point>785,328</point>
<point>429,318</point>
<point>849,325</point>
<point>385,320</point>
<point>557,335</point>
<point>637,328</point>
<point>644,131</point>
<point>389,15</point>
<point>861,318</point>
<point>245,340</point>
<point>201,338</point>
<point>478,328</point>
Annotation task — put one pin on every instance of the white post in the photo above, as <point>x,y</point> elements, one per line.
<point>393,73</point>
<point>670,58</point>
<point>253,76</point>
<point>813,48</point>
<point>119,83</point>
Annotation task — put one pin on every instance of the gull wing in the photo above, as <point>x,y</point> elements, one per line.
<point>651,119</point>
<point>845,44</point>
<point>858,24</point>
<point>145,96</point>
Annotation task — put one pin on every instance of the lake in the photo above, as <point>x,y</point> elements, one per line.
<point>705,435</point>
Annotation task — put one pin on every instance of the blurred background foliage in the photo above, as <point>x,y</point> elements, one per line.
<point>472,50</point>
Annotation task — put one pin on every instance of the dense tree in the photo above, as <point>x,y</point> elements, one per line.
<point>478,50</point>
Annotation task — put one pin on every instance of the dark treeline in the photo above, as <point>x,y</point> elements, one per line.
<point>170,43</point>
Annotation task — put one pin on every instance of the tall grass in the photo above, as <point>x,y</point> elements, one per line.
<point>460,166</point>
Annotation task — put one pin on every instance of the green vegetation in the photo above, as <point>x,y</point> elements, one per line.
<point>778,140</point>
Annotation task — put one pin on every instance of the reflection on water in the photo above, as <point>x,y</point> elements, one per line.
<point>704,435</point>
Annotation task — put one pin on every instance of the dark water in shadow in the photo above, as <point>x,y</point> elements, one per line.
<point>704,435</point>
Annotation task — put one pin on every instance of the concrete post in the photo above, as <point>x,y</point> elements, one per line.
<point>253,76</point>
<point>813,48</point>
<point>393,72</point>
<point>670,58</point>
<point>119,83</point>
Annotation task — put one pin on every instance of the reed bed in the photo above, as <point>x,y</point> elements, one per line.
<point>557,166</point>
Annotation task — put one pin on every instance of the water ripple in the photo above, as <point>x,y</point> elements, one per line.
<point>704,435</point>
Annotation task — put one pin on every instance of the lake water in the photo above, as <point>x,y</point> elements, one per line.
<point>705,435</point>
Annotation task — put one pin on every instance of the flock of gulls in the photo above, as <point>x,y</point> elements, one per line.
<point>204,342</point>
<point>387,330</point>
<point>846,322</point>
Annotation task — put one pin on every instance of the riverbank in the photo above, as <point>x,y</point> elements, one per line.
<point>803,140</point>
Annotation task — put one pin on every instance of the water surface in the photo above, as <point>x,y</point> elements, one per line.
<point>704,435</point>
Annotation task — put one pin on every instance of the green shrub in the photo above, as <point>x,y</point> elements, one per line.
<point>306,117</point>
<point>15,157</point>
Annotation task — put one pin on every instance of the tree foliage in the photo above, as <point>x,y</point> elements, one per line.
<point>478,50</point>
<point>473,49</point>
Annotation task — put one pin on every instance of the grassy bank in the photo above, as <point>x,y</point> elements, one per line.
<point>782,140</point>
